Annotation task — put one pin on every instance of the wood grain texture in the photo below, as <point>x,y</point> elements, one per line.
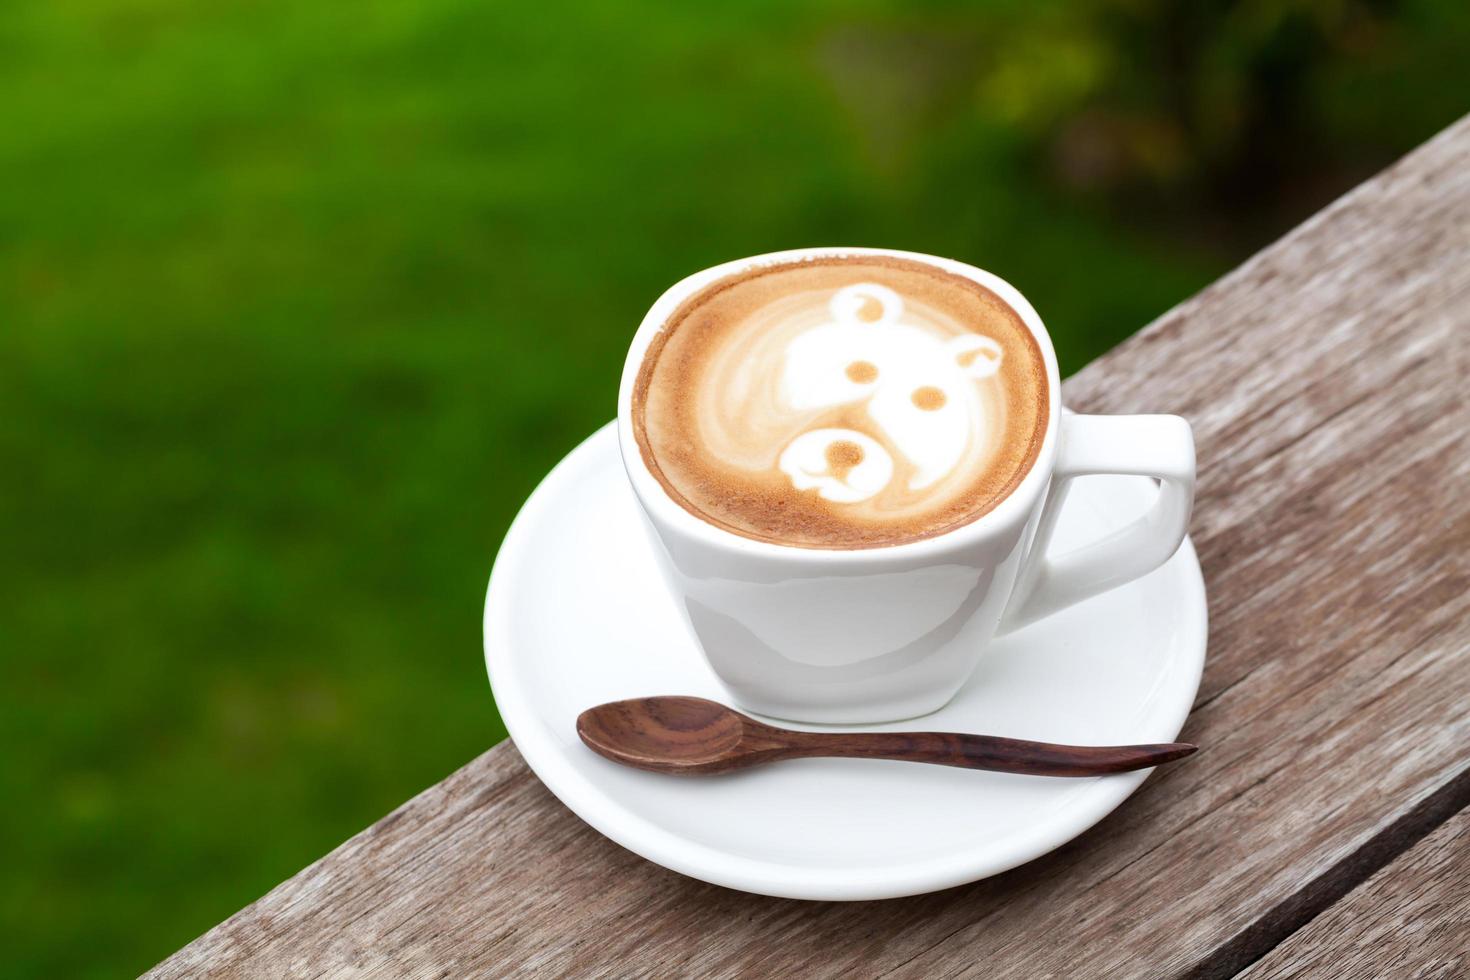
<point>1410,921</point>
<point>1325,381</point>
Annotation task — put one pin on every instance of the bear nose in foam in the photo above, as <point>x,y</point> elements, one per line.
<point>928,398</point>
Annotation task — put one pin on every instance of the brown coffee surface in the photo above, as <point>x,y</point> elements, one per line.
<point>841,403</point>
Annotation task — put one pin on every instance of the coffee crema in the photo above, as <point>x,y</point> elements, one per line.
<point>844,402</point>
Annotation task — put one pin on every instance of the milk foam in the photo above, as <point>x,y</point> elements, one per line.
<point>907,381</point>
<point>911,356</point>
<point>841,404</point>
<point>807,462</point>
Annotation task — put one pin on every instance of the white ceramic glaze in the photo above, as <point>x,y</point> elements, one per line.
<point>577,614</point>
<point>887,633</point>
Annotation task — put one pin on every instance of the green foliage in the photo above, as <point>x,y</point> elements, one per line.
<point>298,300</point>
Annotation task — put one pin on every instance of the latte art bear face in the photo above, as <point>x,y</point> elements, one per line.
<point>917,387</point>
<point>841,403</point>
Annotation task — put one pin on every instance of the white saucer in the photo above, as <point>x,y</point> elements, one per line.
<point>577,614</point>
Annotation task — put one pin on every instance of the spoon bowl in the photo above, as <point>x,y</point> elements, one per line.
<point>667,734</point>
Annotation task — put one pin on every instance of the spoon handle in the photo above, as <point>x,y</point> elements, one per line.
<point>989,752</point>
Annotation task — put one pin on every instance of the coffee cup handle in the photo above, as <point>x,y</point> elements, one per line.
<point>1160,446</point>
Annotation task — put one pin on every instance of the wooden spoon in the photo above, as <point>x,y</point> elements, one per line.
<point>694,736</point>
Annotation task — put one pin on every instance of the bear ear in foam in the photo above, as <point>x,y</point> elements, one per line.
<point>977,356</point>
<point>866,304</point>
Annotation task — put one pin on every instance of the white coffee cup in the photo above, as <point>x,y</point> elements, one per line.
<point>881,634</point>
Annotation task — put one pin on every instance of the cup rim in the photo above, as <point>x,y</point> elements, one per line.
<point>666,512</point>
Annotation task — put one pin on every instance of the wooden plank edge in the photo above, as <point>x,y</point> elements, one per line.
<point>1314,897</point>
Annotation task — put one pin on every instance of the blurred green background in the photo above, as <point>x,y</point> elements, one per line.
<point>300,298</point>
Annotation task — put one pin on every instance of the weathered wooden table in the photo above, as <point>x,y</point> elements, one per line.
<point>1321,832</point>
